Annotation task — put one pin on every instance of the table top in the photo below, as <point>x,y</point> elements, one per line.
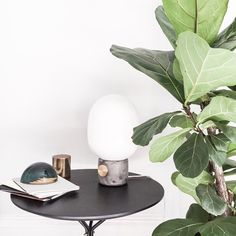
<point>94,201</point>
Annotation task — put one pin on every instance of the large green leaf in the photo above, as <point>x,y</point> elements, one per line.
<point>222,226</point>
<point>202,17</point>
<point>177,72</point>
<point>230,132</point>
<point>196,212</point>
<point>203,68</point>
<point>177,227</point>
<point>218,156</point>
<point>221,142</point>
<point>233,88</point>
<point>143,133</point>
<point>227,38</point>
<point>210,201</point>
<point>163,147</point>
<point>156,64</point>
<point>188,185</point>
<point>220,108</point>
<point>231,150</point>
<point>165,25</point>
<point>181,121</point>
<point>191,158</point>
<point>229,164</point>
<point>225,93</point>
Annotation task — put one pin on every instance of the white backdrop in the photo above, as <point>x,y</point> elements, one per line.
<point>54,63</point>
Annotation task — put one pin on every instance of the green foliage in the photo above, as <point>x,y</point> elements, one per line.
<point>219,109</point>
<point>229,164</point>
<point>181,121</point>
<point>225,93</point>
<point>188,185</point>
<point>221,226</point>
<point>177,227</point>
<point>202,63</point>
<point>216,155</point>
<point>156,64</point>
<point>221,142</point>
<point>166,26</point>
<point>191,158</point>
<point>231,150</point>
<point>227,38</point>
<point>163,147</point>
<point>230,132</point>
<point>143,133</point>
<point>196,212</point>
<point>210,201</point>
<point>201,71</point>
<point>177,72</point>
<point>201,17</point>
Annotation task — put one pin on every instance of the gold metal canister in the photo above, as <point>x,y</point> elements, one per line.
<point>62,164</point>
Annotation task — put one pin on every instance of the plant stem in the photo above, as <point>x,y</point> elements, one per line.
<point>221,187</point>
<point>190,114</point>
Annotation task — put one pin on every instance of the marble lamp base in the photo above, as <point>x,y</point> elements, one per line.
<point>112,173</point>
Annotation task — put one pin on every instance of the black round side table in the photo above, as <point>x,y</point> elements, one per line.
<point>94,202</point>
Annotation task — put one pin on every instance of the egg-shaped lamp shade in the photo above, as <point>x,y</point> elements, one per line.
<point>110,127</point>
<point>39,173</point>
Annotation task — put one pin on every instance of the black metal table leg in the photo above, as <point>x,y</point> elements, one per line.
<point>89,228</point>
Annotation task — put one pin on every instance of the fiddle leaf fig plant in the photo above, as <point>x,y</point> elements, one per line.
<point>200,73</point>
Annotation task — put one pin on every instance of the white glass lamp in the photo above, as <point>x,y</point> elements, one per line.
<point>110,127</point>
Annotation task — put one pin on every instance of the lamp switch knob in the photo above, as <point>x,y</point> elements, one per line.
<point>102,170</point>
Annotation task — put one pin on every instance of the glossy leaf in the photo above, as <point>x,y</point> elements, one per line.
<point>163,147</point>
<point>230,132</point>
<point>166,26</point>
<point>181,121</point>
<point>203,68</point>
<point>225,93</point>
<point>177,72</point>
<point>227,38</point>
<point>221,142</point>
<point>230,173</point>
<point>156,64</point>
<point>210,201</point>
<point>177,227</point>
<point>217,156</point>
<point>202,17</point>
<point>192,157</point>
<point>143,133</point>
<point>174,176</point>
<point>231,150</point>
<point>219,109</point>
<point>233,88</point>
<point>222,226</point>
<point>196,212</point>
<point>188,185</point>
<point>229,164</point>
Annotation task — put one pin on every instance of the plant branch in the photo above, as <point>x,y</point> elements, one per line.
<point>190,115</point>
<point>220,184</point>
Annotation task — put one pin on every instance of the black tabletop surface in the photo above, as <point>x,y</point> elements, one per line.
<point>94,201</point>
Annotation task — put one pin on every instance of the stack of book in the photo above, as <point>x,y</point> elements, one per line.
<point>44,192</point>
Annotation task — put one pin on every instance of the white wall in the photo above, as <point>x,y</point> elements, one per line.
<point>54,63</point>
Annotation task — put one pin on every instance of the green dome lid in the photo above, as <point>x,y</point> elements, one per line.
<point>39,173</point>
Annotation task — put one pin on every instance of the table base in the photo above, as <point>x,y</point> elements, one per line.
<point>90,227</point>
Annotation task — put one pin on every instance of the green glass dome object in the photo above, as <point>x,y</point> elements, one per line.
<point>39,173</point>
